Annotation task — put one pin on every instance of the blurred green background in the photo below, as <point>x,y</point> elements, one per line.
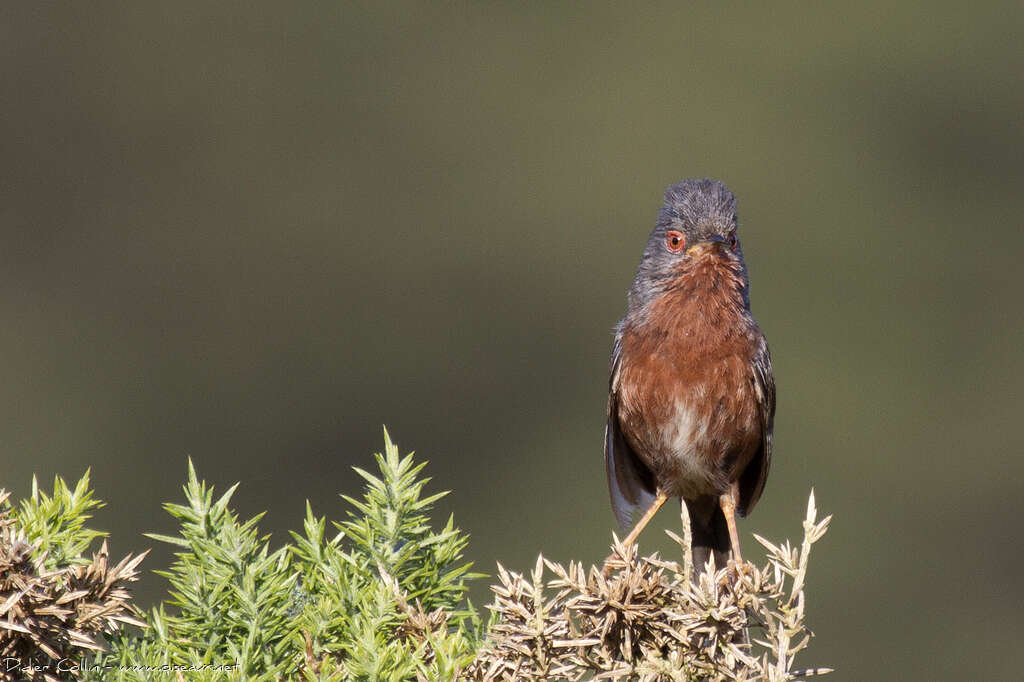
<point>251,233</point>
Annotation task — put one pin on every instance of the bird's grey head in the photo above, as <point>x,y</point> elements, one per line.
<point>698,208</point>
<point>697,220</point>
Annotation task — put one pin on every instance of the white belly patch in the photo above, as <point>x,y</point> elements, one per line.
<point>685,463</point>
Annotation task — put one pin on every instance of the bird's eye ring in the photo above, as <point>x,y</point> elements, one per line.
<point>675,241</point>
<point>733,241</point>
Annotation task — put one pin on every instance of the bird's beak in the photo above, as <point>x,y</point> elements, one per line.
<point>702,247</point>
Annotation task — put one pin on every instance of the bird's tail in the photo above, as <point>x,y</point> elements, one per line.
<point>710,533</point>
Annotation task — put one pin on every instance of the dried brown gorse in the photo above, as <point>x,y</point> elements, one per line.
<point>58,612</point>
<point>648,621</point>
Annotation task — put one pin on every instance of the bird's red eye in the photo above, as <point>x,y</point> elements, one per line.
<point>675,241</point>
<point>733,241</point>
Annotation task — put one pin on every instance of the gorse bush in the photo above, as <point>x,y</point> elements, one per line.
<point>54,602</point>
<point>380,595</point>
<point>342,601</point>
<point>648,621</point>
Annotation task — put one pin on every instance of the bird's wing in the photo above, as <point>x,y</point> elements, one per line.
<point>753,477</point>
<point>630,482</point>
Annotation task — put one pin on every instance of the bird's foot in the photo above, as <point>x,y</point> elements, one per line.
<point>619,559</point>
<point>734,573</point>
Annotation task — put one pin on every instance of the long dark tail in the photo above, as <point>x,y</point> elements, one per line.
<point>710,533</point>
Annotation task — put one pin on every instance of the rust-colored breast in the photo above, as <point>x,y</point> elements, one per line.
<point>686,401</point>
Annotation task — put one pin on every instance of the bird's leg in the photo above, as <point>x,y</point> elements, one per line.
<point>728,503</point>
<point>659,500</point>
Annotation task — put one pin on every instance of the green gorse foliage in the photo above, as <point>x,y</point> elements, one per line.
<point>390,529</point>
<point>380,595</point>
<point>56,603</point>
<point>55,524</point>
<point>331,605</point>
<point>385,566</point>
<point>230,595</point>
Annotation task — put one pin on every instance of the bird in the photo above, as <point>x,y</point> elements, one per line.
<point>691,394</point>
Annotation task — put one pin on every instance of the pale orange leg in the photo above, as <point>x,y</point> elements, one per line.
<point>659,501</point>
<point>728,503</point>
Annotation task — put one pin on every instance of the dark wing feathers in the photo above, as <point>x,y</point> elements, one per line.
<point>754,476</point>
<point>630,482</point>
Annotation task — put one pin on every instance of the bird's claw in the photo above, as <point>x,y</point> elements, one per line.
<point>735,570</point>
